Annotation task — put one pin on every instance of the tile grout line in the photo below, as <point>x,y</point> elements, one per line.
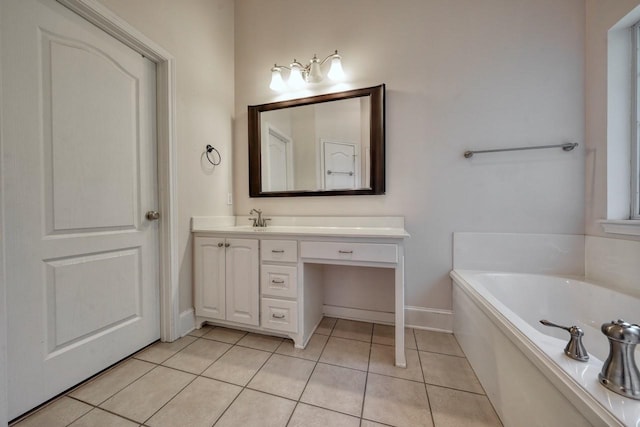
<point>426,390</point>
<point>86,382</point>
<point>308,379</point>
<point>77,418</point>
<point>105,410</point>
<point>366,378</point>
<point>376,422</point>
<point>72,389</point>
<point>97,406</point>
<point>196,375</point>
<point>455,389</point>
<point>160,364</point>
<point>127,385</point>
<point>244,387</point>
<point>329,410</point>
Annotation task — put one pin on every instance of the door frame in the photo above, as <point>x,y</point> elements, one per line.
<point>106,20</point>
<point>272,130</point>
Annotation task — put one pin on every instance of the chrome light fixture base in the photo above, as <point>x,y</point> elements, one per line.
<point>300,75</point>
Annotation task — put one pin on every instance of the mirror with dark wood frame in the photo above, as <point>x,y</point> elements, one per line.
<point>323,145</point>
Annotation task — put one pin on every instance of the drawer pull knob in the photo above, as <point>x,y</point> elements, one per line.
<point>345,252</point>
<point>277,282</point>
<point>277,316</point>
<point>277,251</point>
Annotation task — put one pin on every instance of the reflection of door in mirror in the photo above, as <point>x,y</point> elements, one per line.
<point>339,165</point>
<point>278,176</point>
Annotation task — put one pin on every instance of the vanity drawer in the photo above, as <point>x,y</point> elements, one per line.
<point>279,315</point>
<point>279,281</point>
<point>368,252</point>
<point>279,250</point>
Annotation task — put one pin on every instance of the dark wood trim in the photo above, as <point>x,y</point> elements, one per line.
<point>377,142</point>
<point>255,153</point>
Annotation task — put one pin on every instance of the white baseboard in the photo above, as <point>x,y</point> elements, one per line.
<point>359,314</point>
<point>414,317</point>
<point>187,322</point>
<point>428,318</point>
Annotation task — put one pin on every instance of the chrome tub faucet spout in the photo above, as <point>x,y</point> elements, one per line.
<point>619,372</point>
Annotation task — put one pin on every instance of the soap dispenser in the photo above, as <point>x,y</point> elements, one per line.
<point>619,372</point>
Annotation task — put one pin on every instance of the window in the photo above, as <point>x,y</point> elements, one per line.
<point>635,125</point>
<point>621,126</point>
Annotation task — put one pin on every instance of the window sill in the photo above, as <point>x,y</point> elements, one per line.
<point>630,227</point>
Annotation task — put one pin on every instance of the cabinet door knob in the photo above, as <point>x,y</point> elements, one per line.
<point>220,244</point>
<point>226,245</point>
<point>277,316</point>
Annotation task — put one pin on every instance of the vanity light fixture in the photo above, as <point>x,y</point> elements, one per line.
<point>300,75</point>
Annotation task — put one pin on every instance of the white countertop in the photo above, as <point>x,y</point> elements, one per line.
<point>373,227</point>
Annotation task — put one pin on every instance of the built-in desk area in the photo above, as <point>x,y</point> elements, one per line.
<point>269,279</point>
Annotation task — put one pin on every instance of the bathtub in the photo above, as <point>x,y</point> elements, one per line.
<point>521,363</point>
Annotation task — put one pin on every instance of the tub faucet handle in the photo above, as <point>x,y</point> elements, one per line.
<point>574,349</point>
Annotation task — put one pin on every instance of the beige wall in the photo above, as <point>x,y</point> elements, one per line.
<point>601,15</point>
<point>460,74</point>
<point>199,34</point>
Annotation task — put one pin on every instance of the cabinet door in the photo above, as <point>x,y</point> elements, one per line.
<point>209,280</point>
<point>242,281</point>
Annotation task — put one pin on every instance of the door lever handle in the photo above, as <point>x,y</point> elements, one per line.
<point>152,215</point>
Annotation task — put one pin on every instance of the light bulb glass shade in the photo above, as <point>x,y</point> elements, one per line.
<point>296,81</point>
<point>277,84</point>
<point>315,73</point>
<point>335,72</point>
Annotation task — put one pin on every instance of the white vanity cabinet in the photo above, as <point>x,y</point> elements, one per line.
<point>271,280</point>
<point>226,277</point>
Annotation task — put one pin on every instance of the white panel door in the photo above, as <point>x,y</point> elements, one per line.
<point>340,171</point>
<point>209,266</point>
<point>243,288</point>
<point>279,162</point>
<point>79,164</point>
<point>277,150</point>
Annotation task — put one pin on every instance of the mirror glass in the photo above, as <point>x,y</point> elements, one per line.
<point>324,145</point>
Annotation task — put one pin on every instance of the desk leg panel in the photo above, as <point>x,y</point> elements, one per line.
<point>399,285</point>
<point>312,288</point>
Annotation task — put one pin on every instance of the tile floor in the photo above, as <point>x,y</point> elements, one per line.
<point>224,377</point>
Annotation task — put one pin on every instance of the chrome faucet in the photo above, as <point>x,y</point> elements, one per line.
<point>619,372</point>
<point>574,349</point>
<point>258,221</point>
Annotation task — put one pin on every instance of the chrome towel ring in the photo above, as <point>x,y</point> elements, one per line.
<point>210,149</point>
